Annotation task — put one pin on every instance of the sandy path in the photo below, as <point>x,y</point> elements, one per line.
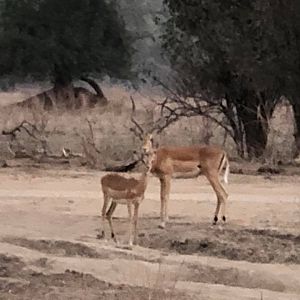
<point>65,206</point>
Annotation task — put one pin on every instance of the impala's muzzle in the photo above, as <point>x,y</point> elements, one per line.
<point>146,150</point>
<point>145,158</point>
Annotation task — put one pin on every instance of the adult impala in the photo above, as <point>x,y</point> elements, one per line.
<point>188,162</point>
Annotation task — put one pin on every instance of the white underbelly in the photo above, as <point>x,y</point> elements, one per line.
<point>185,169</point>
<point>190,174</point>
<point>121,201</point>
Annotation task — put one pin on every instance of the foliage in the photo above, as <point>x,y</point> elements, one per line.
<point>140,17</point>
<point>240,56</point>
<point>62,39</point>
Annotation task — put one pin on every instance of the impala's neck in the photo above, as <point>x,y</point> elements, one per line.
<point>143,180</point>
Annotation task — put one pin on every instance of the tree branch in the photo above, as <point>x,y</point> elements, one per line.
<point>94,85</point>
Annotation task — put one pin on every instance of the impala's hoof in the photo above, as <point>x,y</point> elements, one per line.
<point>215,220</point>
<point>101,236</point>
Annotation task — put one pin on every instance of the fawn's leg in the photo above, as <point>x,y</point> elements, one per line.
<point>165,184</point>
<point>135,221</point>
<point>103,214</point>
<point>109,218</point>
<point>130,220</point>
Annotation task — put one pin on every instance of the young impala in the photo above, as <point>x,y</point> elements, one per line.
<point>127,191</point>
<point>188,162</point>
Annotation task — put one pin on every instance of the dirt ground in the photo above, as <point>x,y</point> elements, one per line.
<point>50,219</point>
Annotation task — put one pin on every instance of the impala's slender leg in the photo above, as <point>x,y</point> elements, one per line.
<point>224,202</point>
<point>220,193</point>
<point>223,207</point>
<point>219,200</point>
<point>130,221</point>
<point>103,215</point>
<point>167,197</point>
<point>109,218</point>
<point>135,220</point>
<point>165,184</point>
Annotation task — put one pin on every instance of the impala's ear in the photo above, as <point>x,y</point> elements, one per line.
<point>151,138</point>
<point>135,155</point>
<point>153,153</point>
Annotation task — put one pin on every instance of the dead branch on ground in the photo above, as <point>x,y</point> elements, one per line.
<point>38,133</point>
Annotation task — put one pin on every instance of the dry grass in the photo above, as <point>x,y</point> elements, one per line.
<point>111,125</point>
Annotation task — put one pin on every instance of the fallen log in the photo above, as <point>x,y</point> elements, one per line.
<point>123,168</point>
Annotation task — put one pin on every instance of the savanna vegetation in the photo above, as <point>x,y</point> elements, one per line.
<point>228,61</point>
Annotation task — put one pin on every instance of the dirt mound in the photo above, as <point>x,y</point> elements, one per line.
<point>18,282</point>
<point>10,265</point>
<point>253,245</point>
<point>70,249</point>
<point>59,248</point>
<point>68,285</point>
<point>232,277</point>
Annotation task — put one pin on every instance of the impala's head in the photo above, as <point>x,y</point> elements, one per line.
<point>148,144</point>
<point>149,159</point>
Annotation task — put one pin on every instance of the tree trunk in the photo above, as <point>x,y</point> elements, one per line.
<point>256,132</point>
<point>63,87</point>
<point>238,136</point>
<point>61,76</point>
<point>296,108</point>
<point>236,125</point>
<point>256,137</point>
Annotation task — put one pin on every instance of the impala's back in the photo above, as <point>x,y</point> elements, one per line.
<point>184,162</point>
